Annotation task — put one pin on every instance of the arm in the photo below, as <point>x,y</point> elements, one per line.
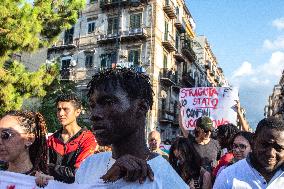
<point>243,122</point>
<point>184,132</point>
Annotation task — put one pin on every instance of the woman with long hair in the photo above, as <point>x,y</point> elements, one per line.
<point>187,163</point>
<point>23,144</point>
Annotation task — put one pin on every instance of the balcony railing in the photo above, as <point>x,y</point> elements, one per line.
<point>187,80</point>
<point>131,34</point>
<point>187,49</point>
<point>77,74</point>
<point>168,112</point>
<point>180,25</point>
<point>135,33</point>
<point>169,9</point>
<point>60,45</point>
<point>169,77</point>
<point>169,42</point>
<point>108,4</point>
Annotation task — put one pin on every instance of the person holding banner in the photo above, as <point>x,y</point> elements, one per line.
<point>23,144</point>
<point>207,148</point>
<point>119,101</point>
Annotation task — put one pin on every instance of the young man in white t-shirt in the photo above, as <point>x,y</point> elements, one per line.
<point>264,167</point>
<point>119,101</point>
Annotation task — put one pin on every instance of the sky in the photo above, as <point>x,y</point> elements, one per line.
<point>247,38</point>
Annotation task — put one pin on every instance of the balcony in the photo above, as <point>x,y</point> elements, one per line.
<point>169,42</point>
<point>178,54</point>
<point>169,9</point>
<point>187,80</point>
<point>60,46</point>
<point>108,38</point>
<point>109,4</point>
<point>180,25</point>
<point>134,34</point>
<point>168,77</point>
<point>167,112</point>
<point>187,49</point>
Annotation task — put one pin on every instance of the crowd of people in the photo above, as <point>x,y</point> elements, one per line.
<point>115,150</point>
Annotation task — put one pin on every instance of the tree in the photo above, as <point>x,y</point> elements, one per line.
<point>26,27</point>
<point>17,84</point>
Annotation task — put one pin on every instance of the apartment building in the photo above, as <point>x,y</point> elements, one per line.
<point>155,36</point>
<point>275,105</point>
<point>209,63</point>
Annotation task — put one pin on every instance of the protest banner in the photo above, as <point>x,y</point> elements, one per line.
<point>10,180</point>
<point>218,103</point>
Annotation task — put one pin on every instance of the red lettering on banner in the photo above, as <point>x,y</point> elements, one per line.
<point>205,102</point>
<point>200,91</point>
<point>220,122</point>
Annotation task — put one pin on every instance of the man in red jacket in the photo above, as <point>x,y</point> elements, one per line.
<point>71,144</point>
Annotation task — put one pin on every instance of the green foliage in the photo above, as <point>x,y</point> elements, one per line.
<point>17,84</point>
<point>26,27</point>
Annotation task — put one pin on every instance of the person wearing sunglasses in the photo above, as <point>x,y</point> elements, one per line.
<point>23,144</point>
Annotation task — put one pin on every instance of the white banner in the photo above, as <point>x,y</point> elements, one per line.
<point>218,103</point>
<point>9,180</point>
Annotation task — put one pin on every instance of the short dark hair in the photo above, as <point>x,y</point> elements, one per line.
<point>73,98</point>
<point>270,123</point>
<point>247,135</point>
<point>227,132</point>
<point>137,85</point>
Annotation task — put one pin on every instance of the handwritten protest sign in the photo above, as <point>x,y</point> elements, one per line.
<point>218,103</point>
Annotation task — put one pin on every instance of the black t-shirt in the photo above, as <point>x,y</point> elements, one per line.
<point>207,152</point>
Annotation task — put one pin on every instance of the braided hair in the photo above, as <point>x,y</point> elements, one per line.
<point>33,122</point>
<point>137,85</point>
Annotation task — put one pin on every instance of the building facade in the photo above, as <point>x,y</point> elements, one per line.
<point>275,105</point>
<point>155,36</point>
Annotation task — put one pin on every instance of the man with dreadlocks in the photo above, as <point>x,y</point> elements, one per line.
<point>119,101</point>
<point>71,144</point>
<point>23,143</point>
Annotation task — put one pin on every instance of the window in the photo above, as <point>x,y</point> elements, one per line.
<point>134,56</point>
<point>166,31</point>
<point>89,61</point>
<point>108,59</point>
<point>135,20</point>
<point>91,27</point>
<point>112,25</point>
<point>65,64</point>
<point>68,36</point>
<point>165,61</point>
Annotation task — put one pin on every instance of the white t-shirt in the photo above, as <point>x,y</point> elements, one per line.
<point>241,175</point>
<point>95,166</point>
